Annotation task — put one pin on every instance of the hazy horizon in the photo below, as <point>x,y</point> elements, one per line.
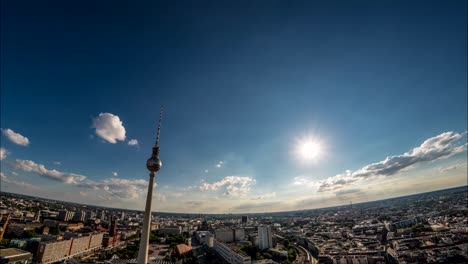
<point>269,106</point>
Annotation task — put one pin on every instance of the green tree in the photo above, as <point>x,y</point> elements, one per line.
<point>29,234</point>
<point>4,242</point>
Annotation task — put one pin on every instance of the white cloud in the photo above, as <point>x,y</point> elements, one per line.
<point>83,193</point>
<point>234,185</point>
<point>109,127</point>
<point>3,153</point>
<point>16,138</point>
<point>57,163</point>
<point>133,142</point>
<point>219,164</point>
<point>31,166</point>
<point>115,174</point>
<point>442,146</point>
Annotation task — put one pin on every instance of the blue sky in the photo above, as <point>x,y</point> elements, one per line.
<point>243,83</point>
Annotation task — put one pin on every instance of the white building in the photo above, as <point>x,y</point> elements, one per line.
<point>231,254</point>
<point>265,240</point>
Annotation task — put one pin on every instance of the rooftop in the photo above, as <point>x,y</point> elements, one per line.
<point>13,252</point>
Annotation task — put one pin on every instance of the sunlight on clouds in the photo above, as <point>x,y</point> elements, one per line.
<point>3,153</point>
<point>234,185</point>
<point>441,146</point>
<point>109,127</point>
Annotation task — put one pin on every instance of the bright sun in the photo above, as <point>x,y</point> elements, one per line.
<point>309,150</point>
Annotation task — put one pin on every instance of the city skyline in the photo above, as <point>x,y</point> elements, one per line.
<point>274,107</point>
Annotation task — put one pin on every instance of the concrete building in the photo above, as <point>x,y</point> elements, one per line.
<point>53,251</point>
<point>15,256</point>
<point>230,253</point>
<point>80,216</point>
<point>203,237</point>
<point>245,219</point>
<point>230,234</point>
<point>66,215</point>
<point>265,240</point>
<point>79,245</point>
<point>96,241</point>
<point>90,215</point>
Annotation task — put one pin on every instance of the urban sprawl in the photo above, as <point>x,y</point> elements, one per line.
<point>423,228</point>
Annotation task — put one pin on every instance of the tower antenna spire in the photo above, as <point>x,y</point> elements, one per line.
<point>159,126</point>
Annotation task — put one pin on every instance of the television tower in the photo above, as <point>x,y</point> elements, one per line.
<point>153,164</point>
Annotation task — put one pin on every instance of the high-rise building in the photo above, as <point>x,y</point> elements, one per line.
<point>37,216</point>
<point>80,216</point>
<point>113,227</point>
<point>265,240</point>
<point>65,215</point>
<point>244,219</point>
<point>102,215</point>
<point>90,215</point>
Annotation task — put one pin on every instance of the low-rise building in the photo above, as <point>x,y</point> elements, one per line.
<point>231,253</point>
<point>15,256</point>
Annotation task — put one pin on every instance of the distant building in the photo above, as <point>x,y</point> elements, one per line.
<point>37,216</point>
<point>170,230</point>
<point>265,240</point>
<point>101,215</point>
<point>90,215</point>
<point>80,216</point>
<point>15,256</point>
<point>229,235</point>
<point>66,215</point>
<point>113,238</point>
<point>245,219</point>
<point>203,237</point>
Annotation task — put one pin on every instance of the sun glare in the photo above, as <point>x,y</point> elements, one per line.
<point>309,150</point>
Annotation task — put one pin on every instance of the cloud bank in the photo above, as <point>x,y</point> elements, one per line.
<point>442,146</point>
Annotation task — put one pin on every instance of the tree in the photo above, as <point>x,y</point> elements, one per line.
<point>4,242</point>
<point>29,234</point>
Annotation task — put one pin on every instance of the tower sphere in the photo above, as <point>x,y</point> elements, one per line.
<point>154,163</point>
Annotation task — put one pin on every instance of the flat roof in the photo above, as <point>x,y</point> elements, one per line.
<point>13,252</point>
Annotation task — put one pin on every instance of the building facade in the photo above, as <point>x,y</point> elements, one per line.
<point>265,240</point>
<point>15,256</point>
<point>230,253</point>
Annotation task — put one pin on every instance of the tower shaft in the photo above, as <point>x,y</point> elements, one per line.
<point>145,234</point>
